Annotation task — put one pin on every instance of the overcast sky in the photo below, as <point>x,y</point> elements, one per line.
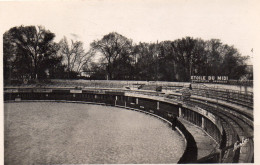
<point>234,22</point>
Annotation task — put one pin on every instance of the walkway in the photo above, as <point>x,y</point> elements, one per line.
<point>204,143</point>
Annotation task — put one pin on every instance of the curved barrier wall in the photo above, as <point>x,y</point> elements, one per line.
<point>191,152</point>
<point>167,109</point>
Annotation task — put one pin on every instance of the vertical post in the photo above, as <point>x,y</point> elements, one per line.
<point>136,100</point>
<point>180,115</point>
<point>202,123</point>
<point>115,100</point>
<point>191,66</point>
<point>158,105</point>
<point>156,69</point>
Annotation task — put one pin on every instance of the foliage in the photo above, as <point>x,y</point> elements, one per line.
<point>28,51</point>
<point>173,60</point>
<point>113,48</point>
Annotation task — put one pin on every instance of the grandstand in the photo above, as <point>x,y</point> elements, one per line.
<point>223,112</point>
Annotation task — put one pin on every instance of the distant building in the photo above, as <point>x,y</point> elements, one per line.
<point>86,74</point>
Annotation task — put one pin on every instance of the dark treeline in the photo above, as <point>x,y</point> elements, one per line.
<point>30,54</point>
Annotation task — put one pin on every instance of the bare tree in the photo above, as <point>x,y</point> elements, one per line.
<point>74,55</point>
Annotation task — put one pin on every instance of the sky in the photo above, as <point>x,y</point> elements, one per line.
<point>234,22</point>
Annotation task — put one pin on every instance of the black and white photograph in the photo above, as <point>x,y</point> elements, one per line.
<point>129,81</point>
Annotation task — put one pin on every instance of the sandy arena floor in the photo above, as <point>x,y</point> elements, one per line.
<point>68,133</point>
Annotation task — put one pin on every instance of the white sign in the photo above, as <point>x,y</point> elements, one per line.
<point>11,90</point>
<point>211,79</point>
<point>42,90</point>
<point>75,91</point>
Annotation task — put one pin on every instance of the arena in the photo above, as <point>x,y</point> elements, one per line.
<point>60,124</point>
<point>69,133</point>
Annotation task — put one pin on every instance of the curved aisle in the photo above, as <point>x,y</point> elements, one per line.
<point>206,145</point>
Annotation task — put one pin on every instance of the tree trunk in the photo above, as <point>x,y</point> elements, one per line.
<point>109,72</point>
<point>68,67</point>
<point>36,72</point>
